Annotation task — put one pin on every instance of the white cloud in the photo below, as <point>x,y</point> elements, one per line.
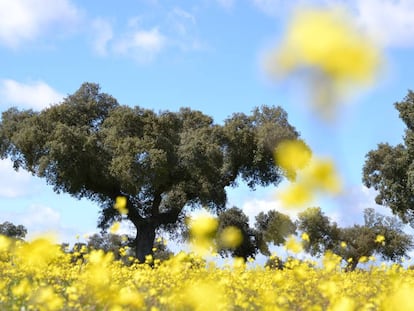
<point>39,220</point>
<point>253,207</point>
<point>14,184</point>
<point>142,45</point>
<point>226,3</point>
<point>103,34</point>
<point>272,7</point>
<point>182,26</point>
<point>36,95</point>
<point>26,20</point>
<point>389,21</point>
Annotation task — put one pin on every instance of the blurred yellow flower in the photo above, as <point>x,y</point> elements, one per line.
<point>231,237</point>
<point>120,205</point>
<point>115,227</point>
<point>4,243</point>
<point>321,175</point>
<point>295,195</point>
<point>202,231</point>
<point>335,52</point>
<point>203,226</point>
<point>344,245</point>
<point>293,245</point>
<point>380,239</point>
<point>305,237</point>
<point>291,156</point>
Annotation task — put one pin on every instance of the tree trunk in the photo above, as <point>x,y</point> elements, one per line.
<point>144,241</point>
<point>351,265</point>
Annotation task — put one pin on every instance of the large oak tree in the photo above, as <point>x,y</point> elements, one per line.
<point>390,169</point>
<point>92,147</point>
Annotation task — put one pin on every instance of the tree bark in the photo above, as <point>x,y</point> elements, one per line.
<point>144,241</point>
<point>351,266</point>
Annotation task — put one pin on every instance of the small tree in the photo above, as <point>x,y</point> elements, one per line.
<point>9,229</point>
<point>250,239</point>
<point>274,227</point>
<point>379,235</point>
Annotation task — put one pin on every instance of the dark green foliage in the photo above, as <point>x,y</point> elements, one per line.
<point>11,230</point>
<point>92,147</point>
<point>274,227</point>
<point>360,240</point>
<point>271,227</point>
<point>251,239</point>
<point>390,170</point>
<point>323,234</point>
<point>274,263</point>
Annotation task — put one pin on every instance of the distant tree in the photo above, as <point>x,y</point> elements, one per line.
<point>270,228</point>
<point>13,231</point>
<point>323,234</point>
<point>273,228</point>
<point>251,240</point>
<point>108,242</point>
<point>91,147</point>
<point>390,169</point>
<point>379,235</point>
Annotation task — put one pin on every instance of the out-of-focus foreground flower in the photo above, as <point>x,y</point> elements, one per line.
<point>327,47</point>
<point>308,174</point>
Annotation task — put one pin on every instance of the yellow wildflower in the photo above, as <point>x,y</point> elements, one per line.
<point>291,156</point>
<point>305,237</point>
<point>321,175</point>
<point>231,237</point>
<point>293,245</point>
<point>115,227</point>
<point>120,205</point>
<point>202,231</point>
<point>336,53</point>
<point>295,195</point>
<point>380,239</point>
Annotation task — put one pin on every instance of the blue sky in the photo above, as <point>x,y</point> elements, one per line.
<point>204,54</point>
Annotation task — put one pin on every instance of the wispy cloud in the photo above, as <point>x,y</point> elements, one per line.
<point>36,95</point>
<point>227,4</point>
<point>272,7</point>
<point>26,20</point>
<point>142,45</point>
<point>390,22</point>
<point>144,42</point>
<point>14,184</point>
<point>103,34</point>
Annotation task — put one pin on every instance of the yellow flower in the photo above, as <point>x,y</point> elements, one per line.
<point>363,259</point>
<point>231,237</point>
<point>305,237</point>
<point>203,226</point>
<point>291,156</point>
<point>321,175</point>
<point>202,230</point>
<point>335,52</point>
<point>295,195</point>
<point>293,245</point>
<point>344,245</point>
<point>379,239</point>
<point>120,205</point>
<point>115,227</point>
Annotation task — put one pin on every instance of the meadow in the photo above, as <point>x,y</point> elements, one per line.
<point>40,275</point>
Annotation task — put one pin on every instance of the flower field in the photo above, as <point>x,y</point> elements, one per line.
<point>38,275</point>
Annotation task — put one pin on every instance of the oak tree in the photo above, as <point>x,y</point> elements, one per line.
<point>92,147</point>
